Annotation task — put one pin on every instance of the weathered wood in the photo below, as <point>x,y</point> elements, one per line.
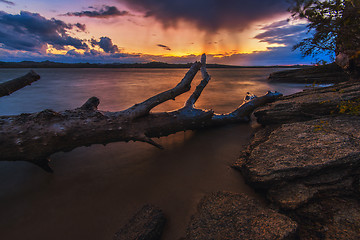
<point>142,109</point>
<point>34,137</point>
<point>206,78</point>
<point>11,86</point>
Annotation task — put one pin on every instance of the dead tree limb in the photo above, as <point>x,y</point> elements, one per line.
<point>206,78</point>
<point>34,137</point>
<point>11,86</point>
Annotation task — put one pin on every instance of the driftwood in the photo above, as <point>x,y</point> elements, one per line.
<point>11,86</point>
<point>34,137</point>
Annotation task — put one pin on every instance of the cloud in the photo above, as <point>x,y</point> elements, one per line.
<point>105,44</point>
<point>282,32</point>
<point>164,47</point>
<point>273,56</point>
<point>209,15</point>
<point>7,2</point>
<point>81,27</point>
<point>73,52</point>
<point>276,24</point>
<point>92,52</point>
<point>125,55</point>
<point>32,32</point>
<point>104,12</point>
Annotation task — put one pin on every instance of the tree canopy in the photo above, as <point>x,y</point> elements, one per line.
<point>335,25</point>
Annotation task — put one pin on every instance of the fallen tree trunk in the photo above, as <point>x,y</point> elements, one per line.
<point>34,137</point>
<point>11,86</point>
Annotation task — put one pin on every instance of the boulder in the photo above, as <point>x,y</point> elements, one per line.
<point>310,104</point>
<point>306,160</point>
<point>310,170</point>
<point>146,224</point>
<point>322,151</point>
<point>330,218</point>
<point>225,215</point>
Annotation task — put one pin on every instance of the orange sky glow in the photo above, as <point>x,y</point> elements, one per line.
<point>135,37</point>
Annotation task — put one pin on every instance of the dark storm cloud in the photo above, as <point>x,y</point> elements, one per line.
<point>283,33</point>
<point>32,32</point>
<point>81,27</point>
<point>7,2</point>
<point>105,44</point>
<point>209,15</point>
<point>164,47</point>
<point>104,12</point>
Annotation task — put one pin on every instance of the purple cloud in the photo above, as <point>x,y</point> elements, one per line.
<point>282,32</point>
<point>32,32</point>
<point>104,12</point>
<point>105,44</point>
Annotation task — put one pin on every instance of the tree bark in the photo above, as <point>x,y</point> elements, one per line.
<point>11,86</point>
<point>34,137</point>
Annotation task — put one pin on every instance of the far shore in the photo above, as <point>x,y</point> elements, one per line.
<point>49,64</point>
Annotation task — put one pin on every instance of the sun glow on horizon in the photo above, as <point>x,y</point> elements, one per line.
<point>134,37</point>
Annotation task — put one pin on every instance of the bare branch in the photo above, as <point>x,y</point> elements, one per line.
<point>11,86</point>
<point>241,114</point>
<point>206,78</point>
<point>142,109</point>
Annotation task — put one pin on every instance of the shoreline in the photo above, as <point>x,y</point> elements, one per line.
<point>49,64</point>
<point>305,162</point>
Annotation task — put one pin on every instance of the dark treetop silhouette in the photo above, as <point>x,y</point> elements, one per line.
<point>34,137</point>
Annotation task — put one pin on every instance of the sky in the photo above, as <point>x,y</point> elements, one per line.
<point>234,32</point>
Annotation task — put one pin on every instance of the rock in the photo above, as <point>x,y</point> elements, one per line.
<point>292,195</point>
<point>225,215</point>
<point>303,149</point>
<point>307,160</point>
<point>146,224</point>
<point>330,218</point>
<point>309,104</point>
<point>297,162</point>
<point>330,73</point>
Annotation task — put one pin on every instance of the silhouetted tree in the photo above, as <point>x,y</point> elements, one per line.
<point>336,29</point>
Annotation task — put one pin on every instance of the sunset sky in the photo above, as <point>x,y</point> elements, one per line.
<point>236,32</point>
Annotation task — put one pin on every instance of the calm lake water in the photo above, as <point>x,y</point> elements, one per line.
<point>96,189</point>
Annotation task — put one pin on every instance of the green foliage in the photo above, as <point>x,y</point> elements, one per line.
<point>350,107</point>
<point>323,126</point>
<point>335,25</point>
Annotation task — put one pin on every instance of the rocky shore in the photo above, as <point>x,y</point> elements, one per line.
<point>329,73</point>
<point>305,160</point>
